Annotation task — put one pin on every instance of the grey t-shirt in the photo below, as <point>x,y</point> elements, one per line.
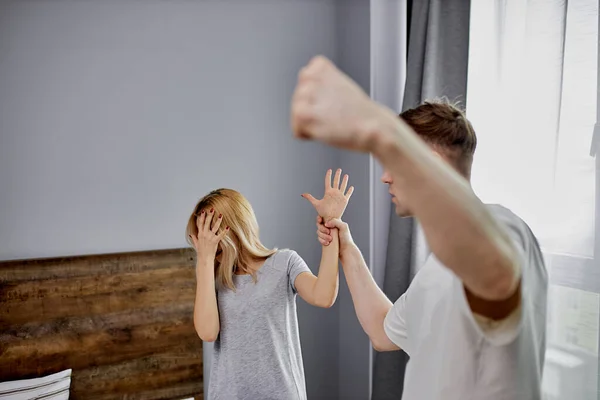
<point>257,355</point>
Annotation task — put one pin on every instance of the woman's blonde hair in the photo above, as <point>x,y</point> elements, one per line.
<point>241,246</point>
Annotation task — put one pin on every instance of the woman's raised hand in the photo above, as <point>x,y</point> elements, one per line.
<point>208,238</point>
<point>334,202</point>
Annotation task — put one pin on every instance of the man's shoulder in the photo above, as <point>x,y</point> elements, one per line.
<point>511,221</point>
<point>498,210</point>
<point>520,232</point>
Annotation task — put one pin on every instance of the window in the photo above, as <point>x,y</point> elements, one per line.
<point>532,98</point>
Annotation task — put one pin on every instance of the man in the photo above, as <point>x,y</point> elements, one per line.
<point>473,319</point>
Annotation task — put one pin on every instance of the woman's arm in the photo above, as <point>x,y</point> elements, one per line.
<point>206,311</point>
<point>322,291</point>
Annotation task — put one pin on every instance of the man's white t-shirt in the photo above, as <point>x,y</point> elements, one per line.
<point>456,355</point>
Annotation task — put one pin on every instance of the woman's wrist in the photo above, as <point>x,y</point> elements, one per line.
<point>203,262</point>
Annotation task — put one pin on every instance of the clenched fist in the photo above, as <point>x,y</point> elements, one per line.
<point>330,107</point>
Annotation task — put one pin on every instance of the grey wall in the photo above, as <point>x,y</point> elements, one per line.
<point>116,116</point>
<point>353,26</point>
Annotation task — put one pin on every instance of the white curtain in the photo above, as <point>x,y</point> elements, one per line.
<point>532,96</point>
<point>388,41</point>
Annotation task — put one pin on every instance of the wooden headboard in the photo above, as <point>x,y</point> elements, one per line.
<point>121,322</point>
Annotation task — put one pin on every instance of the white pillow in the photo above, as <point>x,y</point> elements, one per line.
<point>50,387</point>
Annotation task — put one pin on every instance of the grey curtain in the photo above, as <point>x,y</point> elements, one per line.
<point>438,47</point>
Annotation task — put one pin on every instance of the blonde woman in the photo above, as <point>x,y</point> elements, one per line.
<point>246,292</point>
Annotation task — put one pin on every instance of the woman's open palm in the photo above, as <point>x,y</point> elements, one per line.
<point>334,201</point>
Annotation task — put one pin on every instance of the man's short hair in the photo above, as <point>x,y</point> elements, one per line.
<point>445,127</point>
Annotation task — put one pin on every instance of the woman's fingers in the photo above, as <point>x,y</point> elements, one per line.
<point>344,183</point>
<point>349,192</point>
<point>223,233</point>
<point>336,178</point>
<point>217,224</point>
<point>328,179</point>
<point>200,221</point>
<point>208,220</point>
<point>310,198</point>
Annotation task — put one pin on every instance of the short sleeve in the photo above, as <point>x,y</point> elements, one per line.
<point>530,314</point>
<point>394,324</point>
<point>296,266</point>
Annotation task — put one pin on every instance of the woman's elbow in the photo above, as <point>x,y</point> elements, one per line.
<point>208,337</point>
<point>383,345</point>
<point>377,347</point>
<point>207,334</point>
<point>326,302</point>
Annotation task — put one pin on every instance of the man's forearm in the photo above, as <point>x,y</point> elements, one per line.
<point>370,303</point>
<point>459,230</point>
<point>326,285</point>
